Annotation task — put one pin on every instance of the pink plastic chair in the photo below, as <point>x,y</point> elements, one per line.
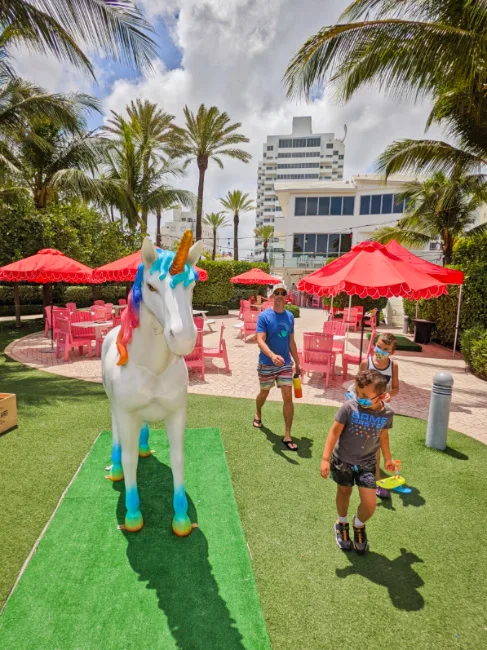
<point>360,312</point>
<point>98,312</point>
<point>56,313</point>
<point>71,306</point>
<point>316,302</point>
<point>336,328</point>
<point>199,321</point>
<point>108,310</point>
<point>371,321</point>
<point>66,341</point>
<point>318,355</point>
<point>99,302</point>
<point>83,332</point>
<point>196,359</point>
<point>122,301</point>
<point>249,323</point>
<point>355,358</point>
<point>220,352</point>
<point>351,316</point>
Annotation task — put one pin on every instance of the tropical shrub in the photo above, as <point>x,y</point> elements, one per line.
<point>219,290</point>
<point>471,257</point>
<point>474,348</point>
<point>294,309</point>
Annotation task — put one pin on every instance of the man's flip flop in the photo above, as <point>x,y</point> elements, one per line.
<point>257,423</point>
<point>288,443</point>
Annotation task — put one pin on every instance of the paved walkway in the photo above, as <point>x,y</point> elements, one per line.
<point>416,371</point>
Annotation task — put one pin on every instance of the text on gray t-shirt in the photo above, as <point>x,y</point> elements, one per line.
<point>359,441</point>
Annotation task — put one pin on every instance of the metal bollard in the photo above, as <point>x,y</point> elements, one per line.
<point>439,412</point>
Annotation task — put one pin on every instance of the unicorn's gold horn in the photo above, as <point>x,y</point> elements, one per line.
<point>181,256</point>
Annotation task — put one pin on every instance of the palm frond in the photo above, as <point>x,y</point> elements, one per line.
<point>349,56</point>
<point>428,156</point>
<point>402,235</point>
<point>116,28</point>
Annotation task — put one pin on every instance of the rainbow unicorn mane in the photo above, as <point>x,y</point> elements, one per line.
<point>130,315</point>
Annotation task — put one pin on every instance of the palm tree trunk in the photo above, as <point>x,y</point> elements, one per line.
<point>235,236</point>
<point>265,252</point>
<point>158,227</point>
<point>202,166</point>
<point>112,215</point>
<point>214,244</point>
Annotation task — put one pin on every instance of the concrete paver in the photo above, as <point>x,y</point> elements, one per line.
<point>416,371</point>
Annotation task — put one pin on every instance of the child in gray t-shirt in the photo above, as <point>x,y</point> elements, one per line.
<point>360,428</point>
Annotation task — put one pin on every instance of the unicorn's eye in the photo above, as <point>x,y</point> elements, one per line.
<point>151,288</point>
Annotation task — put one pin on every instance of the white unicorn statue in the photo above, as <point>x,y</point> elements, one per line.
<point>144,373</point>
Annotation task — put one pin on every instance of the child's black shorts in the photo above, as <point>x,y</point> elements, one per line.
<point>349,475</point>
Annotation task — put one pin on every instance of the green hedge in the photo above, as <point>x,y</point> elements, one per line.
<point>29,294</point>
<point>474,348</point>
<point>219,290</point>
<point>25,310</point>
<point>294,309</point>
<point>470,256</point>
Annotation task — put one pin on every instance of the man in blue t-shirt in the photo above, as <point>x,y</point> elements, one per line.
<point>275,338</point>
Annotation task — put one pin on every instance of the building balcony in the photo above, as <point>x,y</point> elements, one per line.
<point>303,261</point>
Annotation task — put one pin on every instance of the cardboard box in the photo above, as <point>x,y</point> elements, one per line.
<point>8,411</point>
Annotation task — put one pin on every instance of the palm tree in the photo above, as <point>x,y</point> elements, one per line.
<point>439,206</point>
<point>266,233</point>
<point>236,202</point>
<point>148,133</point>
<point>410,49</point>
<point>58,27</point>
<point>208,135</point>
<point>215,221</point>
<point>22,102</point>
<point>51,153</point>
<point>136,173</point>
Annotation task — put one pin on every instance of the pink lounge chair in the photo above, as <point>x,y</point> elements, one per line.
<point>318,355</point>
<point>220,352</point>
<point>71,306</point>
<point>196,359</point>
<point>67,341</point>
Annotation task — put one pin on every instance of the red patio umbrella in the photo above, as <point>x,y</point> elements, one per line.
<point>441,273</point>
<point>48,265</point>
<point>255,276</point>
<point>125,269</point>
<point>448,276</point>
<point>370,270</point>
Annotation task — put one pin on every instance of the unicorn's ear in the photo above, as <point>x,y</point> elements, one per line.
<point>195,253</point>
<point>148,253</point>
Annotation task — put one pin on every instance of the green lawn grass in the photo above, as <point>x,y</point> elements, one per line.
<point>423,584</point>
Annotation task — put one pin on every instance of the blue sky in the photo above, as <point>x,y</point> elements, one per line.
<point>167,52</point>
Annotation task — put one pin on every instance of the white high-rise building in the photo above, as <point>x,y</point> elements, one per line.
<point>181,221</point>
<point>299,156</point>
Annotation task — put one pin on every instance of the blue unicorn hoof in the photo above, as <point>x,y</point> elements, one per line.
<point>182,526</point>
<point>134,522</point>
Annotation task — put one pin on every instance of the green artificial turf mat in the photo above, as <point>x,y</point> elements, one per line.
<point>92,586</point>
<point>403,343</point>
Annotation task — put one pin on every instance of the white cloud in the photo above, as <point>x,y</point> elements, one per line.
<point>234,54</point>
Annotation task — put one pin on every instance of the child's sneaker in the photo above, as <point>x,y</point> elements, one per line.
<point>382,493</point>
<point>360,541</point>
<point>342,536</point>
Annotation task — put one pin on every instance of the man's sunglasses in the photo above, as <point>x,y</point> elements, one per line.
<point>280,293</point>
